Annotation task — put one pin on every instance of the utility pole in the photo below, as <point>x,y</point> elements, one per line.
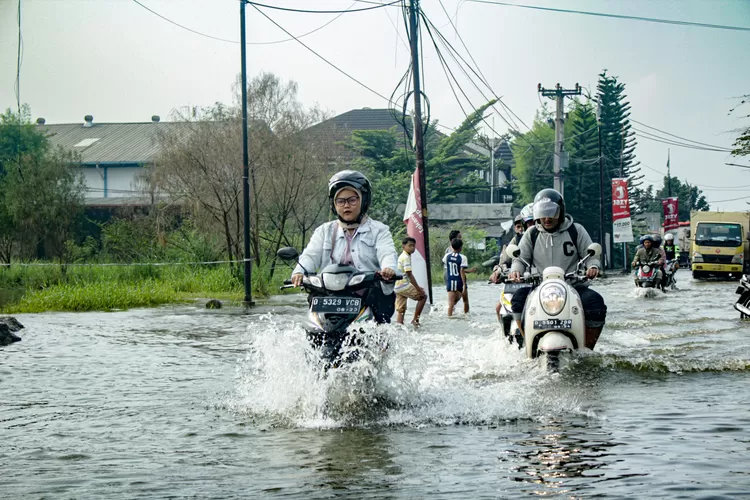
<point>601,181</point>
<point>418,131</point>
<point>560,164</point>
<point>245,164</point>
<point>492,164</point>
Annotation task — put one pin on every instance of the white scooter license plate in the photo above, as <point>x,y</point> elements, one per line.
<point>553,324</point>
<point>343,305</point>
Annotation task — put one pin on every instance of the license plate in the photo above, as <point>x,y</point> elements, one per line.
<point>343,305</point>
<point>553,324</point>
<point>514,287</point>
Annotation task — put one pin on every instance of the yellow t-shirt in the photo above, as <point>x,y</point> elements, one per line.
<point>404,265</point>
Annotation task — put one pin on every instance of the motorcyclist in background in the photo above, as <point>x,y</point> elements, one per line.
<point>649,253</point>
<point>671,254</point>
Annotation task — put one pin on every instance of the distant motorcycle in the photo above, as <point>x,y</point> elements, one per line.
<point>338,308</point>
<point>507,289</point>
<point>647,274</point>
<point>670,268</point>
<point>743,303</point>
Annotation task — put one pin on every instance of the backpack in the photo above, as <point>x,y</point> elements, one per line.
<point>572,230</point>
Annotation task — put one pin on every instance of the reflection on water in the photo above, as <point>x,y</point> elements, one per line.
<point>351,460</point>
<point>557,451</point>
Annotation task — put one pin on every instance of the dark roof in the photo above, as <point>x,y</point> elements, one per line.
<point>361,119</point>
<point>109,142</point>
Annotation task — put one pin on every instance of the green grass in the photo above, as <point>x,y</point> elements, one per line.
<point>106,288</point>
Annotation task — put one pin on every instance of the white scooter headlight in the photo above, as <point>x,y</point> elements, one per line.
<point>552,296</point>
<point>335,282</point>
<point>356,279</point>
<point>646,269</point>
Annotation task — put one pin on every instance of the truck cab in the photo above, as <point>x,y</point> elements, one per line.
<point>719,244</point>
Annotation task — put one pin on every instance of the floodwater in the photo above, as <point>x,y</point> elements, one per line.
<point>184,402</point>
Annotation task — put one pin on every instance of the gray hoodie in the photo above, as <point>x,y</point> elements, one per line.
<point>555,249</point>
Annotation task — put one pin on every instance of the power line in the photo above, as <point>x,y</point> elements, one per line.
<point>731,199</point>
<point>321,57</point>
<point>617,16</point>
<point>664,140</point>
<point>677,136</point>
<point>304,11</point>
<point>272,42</point>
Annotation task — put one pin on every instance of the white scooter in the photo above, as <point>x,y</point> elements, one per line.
<point>554,321</point>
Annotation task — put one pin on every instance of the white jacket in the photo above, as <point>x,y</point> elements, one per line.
<point>372,248</point>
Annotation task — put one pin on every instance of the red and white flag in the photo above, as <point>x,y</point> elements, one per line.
<point>622,226</point>
<point>670,206</point>
<point>415,229</point>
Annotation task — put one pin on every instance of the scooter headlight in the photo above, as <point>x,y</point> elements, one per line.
<point>335,282</point>
<point>646,269</point>
<point>552,296</point>
<point>356,279</point>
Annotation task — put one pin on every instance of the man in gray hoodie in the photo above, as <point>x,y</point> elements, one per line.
<point>556,240</point>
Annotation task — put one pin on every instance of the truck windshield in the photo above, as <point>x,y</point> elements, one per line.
<point>718,235</point>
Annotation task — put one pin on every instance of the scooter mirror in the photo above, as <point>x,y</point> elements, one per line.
<point>287,253</point>
<point>512,251</point>
<point>594,250</point>
<point>492,262</point>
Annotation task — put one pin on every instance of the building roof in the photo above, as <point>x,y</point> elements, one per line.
<point>361,119</point>
<point>115,143</point>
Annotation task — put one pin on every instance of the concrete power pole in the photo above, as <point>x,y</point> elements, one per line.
<point>561,157</point>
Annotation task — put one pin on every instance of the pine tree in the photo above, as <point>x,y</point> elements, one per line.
<point>618,140</point>
<point>582,175</point>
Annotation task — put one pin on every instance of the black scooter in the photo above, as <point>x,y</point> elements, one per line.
<point>339,299</point>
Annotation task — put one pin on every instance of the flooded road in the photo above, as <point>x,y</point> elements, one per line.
<point>186,402</point>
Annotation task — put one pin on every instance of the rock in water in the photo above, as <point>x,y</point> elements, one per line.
<point>213,304</point>
<point>6,336</point>
<point>13,324</point>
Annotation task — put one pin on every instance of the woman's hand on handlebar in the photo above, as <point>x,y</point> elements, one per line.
<point>592,272</point>
<point>514,276</point>
<point>297,279</point>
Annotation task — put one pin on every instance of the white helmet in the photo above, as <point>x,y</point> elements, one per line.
<point>668,237</point>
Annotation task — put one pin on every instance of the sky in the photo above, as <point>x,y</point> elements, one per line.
<point>119,62</point>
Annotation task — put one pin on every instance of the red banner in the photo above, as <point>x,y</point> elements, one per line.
<point>671,206</point>
<point>621,224</point>
<point>415,229</point>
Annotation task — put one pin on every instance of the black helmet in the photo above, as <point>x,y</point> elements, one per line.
<point>353,179</point>
<point>549,203</point>
<point>657,240</point>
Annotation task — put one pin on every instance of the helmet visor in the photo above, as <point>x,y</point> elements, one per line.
<point>546,208</point>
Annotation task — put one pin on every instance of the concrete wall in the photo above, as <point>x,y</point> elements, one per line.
<point>112,182</point>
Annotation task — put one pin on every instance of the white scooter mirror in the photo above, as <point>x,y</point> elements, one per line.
<point>594,250</point>
<point>512,251</point>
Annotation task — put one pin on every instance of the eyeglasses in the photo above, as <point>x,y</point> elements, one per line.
<point>351,201</point>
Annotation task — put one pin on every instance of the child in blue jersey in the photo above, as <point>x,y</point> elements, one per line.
<point>455,272</point>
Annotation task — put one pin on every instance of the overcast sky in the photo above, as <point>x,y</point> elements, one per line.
<point>119,62</point>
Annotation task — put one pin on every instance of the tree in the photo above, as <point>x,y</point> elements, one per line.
<point>742,144</point>
<point>690,198</point>
<point>389,162</point>
<point>582,176</point>
<point>201,166</point>
<point>41,190</point>
<point>618,140</point>
<point>533,153</point>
